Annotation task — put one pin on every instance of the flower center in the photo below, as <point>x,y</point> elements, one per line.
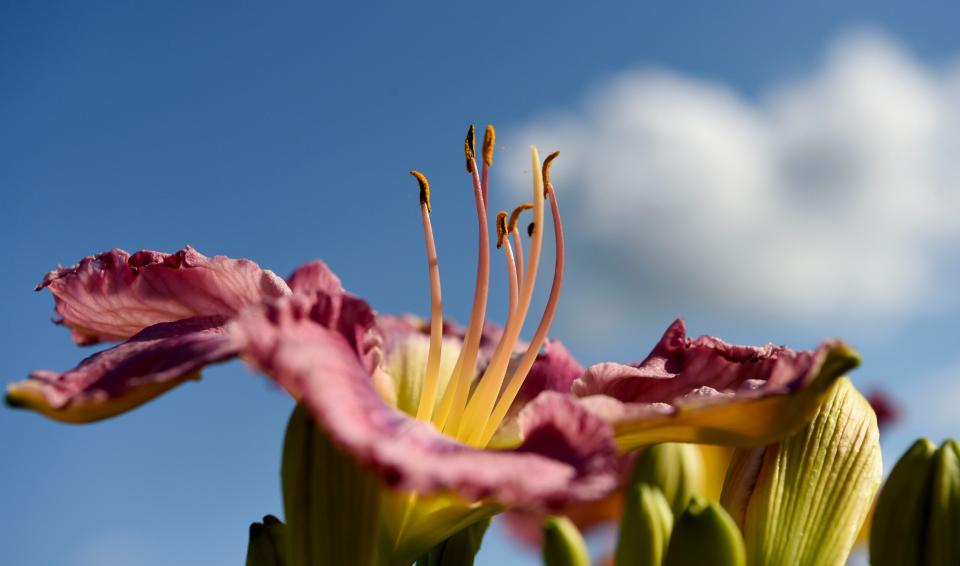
<point>473,412</point>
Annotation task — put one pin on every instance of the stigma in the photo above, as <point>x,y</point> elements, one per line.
<point>472,407</point>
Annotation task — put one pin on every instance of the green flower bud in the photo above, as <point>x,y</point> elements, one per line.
<point>943,544</point>
<point>331,504</point>
<point>645,527</point>
<point>677,469</point>
<point>803,501</point>
<point>458,550</point>
<point>900,518</point>
<point>705,534</point>
<point>268,543</point>
<point>562,544</point>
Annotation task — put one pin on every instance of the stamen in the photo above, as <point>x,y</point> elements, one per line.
<point>531,228</point>
<point>431,378</point>
<point>501,228</point>
<point>546,170</point>
<point>469,150</point>
<point>455,397</point>
<point>424,189</point>
<point>489,140</point>
<point>478,410</point>
<point>529,357</point>
<point>517,242</point>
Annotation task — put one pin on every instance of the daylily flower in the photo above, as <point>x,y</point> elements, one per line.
<point>459,423</point>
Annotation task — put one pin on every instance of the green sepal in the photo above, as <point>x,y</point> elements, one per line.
<point>459,550</point>
<point>645,527</point>
<point>268,543</point>
<point>676,468</point>
<point>943,543</point>
<point>705,534</point>
<point>563,545</point>
<point>899,525</point>
<point>331,503</point>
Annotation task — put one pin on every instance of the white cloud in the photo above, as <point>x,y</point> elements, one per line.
<point>835,192</point>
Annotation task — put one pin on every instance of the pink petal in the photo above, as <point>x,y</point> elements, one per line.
<point>127,375</point>
<point>708,391</point>
<point>680,366</point>
<point>568,454</point>
<point>113,295</point>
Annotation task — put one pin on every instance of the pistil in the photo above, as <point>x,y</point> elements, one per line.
<point>431,378</point>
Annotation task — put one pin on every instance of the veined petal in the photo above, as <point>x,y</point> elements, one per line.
<point>125,376</point>
<point>114,295</point>
<point>567,453</point>
<point>707,391</point>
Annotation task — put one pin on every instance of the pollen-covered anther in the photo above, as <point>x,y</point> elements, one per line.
<point>547,186</point>
<point>515,216</point>
<point>470,148</point>
<point>489,140</point>
<point>424,188</point>
<point>501,228</point>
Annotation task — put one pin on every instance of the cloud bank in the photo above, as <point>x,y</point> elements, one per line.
<point>833,194</point>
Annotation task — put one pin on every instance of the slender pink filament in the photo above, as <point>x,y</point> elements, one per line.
<point>432,376</point>
<point>455,396</point>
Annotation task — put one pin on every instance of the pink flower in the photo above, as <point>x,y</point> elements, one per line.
<point>470,417</point>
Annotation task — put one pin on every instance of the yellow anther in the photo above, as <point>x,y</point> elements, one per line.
<point>489,140</point>
<point>501,228</point>
<point>469,148</point>
<point>424,188</point>
<point>547,187</point>
<point>515,215</point>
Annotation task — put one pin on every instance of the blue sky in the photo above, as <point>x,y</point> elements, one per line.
<point>285,133</point>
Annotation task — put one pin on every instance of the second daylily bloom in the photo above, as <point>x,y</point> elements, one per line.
<point>459,423</point>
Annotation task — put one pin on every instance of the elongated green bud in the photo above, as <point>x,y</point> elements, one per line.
<point>331,504</point>
<point>459,550</point>
<point>803,501</point>
<point>705,534</point>
<point>563,544</point>
<point>268,543</point>
<point>900,518</point>
<point>943,544</point>
<point>645,527</point>
<point>677,469</point>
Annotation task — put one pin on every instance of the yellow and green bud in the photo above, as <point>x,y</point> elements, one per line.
<point>563,545</point>
<point>645,527</point>
<point>676,468</point>
<point>268,543</point>
<point>943,546</point>
<point>331,504</point>
<point>705,534</point>
<point>803,500</point>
